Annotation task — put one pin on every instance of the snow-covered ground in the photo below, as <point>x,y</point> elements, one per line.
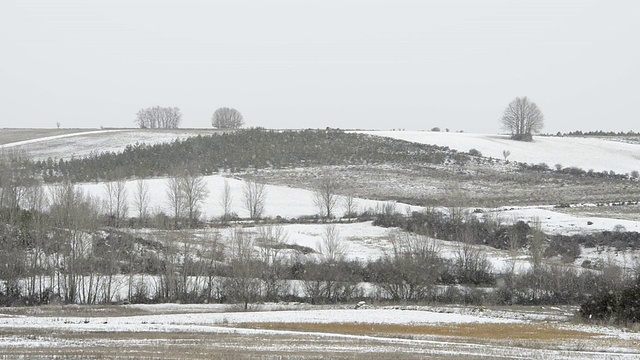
<point>245,333</point>
<point>84,143</point>
<point>200,321</point>
<point>280,200</point>
<point>586,153</point>
<point>555,222</point>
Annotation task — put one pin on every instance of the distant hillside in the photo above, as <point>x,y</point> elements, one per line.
<point>245,150</point>
<point>42,144</point>
<point>587,153</point>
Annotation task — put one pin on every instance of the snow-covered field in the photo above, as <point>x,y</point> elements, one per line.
<point>84,143</point>
<point>371,332</point>
<point>279,200</point>
<point>586,153</point>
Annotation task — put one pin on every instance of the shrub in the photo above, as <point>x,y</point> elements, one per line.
<point>475,152</point>
<point>566,247</point>
<point>615,306</point>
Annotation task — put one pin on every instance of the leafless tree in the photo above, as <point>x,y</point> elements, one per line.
<point>159,117</point>
<point>74,216</point>
<point>255,194</point>
<point>243,284</point>
<point>536,243</point>
<point>349,204</point>
<point>325,195</point>
<point>115,201</point>
<point>226,201</point>
<point>194,192</point>
<point>227,118</point>
<point>411,267</point>
<point>14,178</point>
<point>175,197</point>
<point>505,154</point>
<point>332,247</point>
<point>271,240</point>
<point>471,264</point>
<point>522,118</point>
<point>141,199</point>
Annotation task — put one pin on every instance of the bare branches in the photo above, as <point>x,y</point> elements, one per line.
<point>141,199</point>
<point>115,202</point>
<point>159,118</point>
<point>194,191</point>
<point>227,118</point>
<point>255,194</point>
<point>332,247</point>
<point>522,118</point>
<point>226,201</point>
<point>325,196</point>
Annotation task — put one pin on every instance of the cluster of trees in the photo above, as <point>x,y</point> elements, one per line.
<point>65,252</point>
<point>614,304</point>
<point>243,150</point>
<point>464,227</point>
<point>599,133</point>
<point>158,117</point>
<point>576,171</point>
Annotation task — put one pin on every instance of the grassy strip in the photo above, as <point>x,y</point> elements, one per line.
<point>14,135</point>
<point>475,331</point>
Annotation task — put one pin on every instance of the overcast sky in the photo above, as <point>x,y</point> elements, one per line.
<point>311,64</point>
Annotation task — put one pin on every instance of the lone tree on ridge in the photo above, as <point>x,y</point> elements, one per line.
<point>522,118</point>
<point>227,118</point>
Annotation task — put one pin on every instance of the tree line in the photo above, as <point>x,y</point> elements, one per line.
<point>158,117</point>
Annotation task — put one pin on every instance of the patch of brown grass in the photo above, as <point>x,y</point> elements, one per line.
<point>538,332</point>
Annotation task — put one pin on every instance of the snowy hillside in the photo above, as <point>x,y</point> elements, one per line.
<point>83,143</point>
<point>280,200</point>
<point>586,153</point>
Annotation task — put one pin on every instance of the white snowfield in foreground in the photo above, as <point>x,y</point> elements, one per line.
<point>586,153</point>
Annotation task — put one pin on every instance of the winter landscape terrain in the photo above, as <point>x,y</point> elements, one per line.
<point>490,185</point>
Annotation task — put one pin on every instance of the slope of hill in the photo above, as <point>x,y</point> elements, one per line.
<point>42,145</point>
<point>586,153</point>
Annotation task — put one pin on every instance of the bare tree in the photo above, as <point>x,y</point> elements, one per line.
<point>159,117</point>
<point>226,201</point>
<point>332,247</point>
<point>350,206</point>
<point>471,264</point>
<point>194,191</point>
<point>227,118</point>
<point>74,216</point>
<point>13,178</point>
<point>271,241</point>
<point>325,196</point>
<point>536,243</point>
<point>175,197</point>
<point>411,268</point>
<point>255,194</point>
<point>115,202</point>
<point>243,284</point>
<point>522,118</point>
<point>141,199</point>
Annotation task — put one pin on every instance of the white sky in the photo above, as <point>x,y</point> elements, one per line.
<point>297,64</point>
